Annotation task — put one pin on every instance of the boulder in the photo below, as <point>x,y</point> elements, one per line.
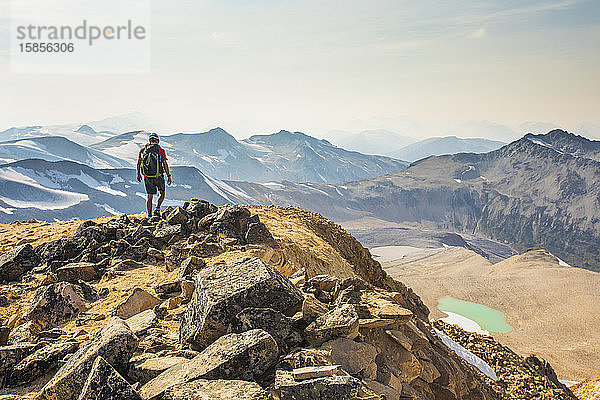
<point>381,389</point>
<point>399,362</point>
<point>40,362</point>
<point>218,389</point>
<point>410,337</point>
<point>304,373</point>
<point>190,265</point>
<point>75,272</point>
<point>138,301</point>
<point>230,220</point>
<point>323,282</point>
<point>245,356</point>
<point>312,308</point>
<point>275,323</point>
<point>58,251</point>
<point>173,259</point>
<point>114,342</point>
<point>17,261</point>
<point>187,290</point>
<point>384,307</point>
<point>4,333</point>
<point>258,232</point>
<point>222,291</point>
<point>199,208</point>
<point>165,231</point>
<point>206,249</point>
<point>149,368</point>
<point>141,322</point>
<point>137,252</point>
<point>342,321</point>
<point>327,388</point>
<point>104,382</point>
<point>127,265</point>
<point>169,287</point>
<point>352,356</point>
<point>25,332</point>
<point>177,216</point>
<point>305,357</point>
<point>55,304</point>
<point>156,254</point>
<point>13,354</point>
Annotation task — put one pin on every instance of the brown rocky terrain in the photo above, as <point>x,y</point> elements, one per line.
<point>588,389</point>
<point>518,377</point>
<point>553,308</point>
<point>207,302</point>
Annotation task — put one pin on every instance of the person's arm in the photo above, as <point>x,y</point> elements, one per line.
<point>166,167</point>
<point>139,166</point>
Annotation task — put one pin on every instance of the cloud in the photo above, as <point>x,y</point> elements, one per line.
<point>479,33</point>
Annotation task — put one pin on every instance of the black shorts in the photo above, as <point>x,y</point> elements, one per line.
<point>152,184</point>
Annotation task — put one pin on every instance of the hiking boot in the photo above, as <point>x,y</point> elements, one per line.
<point>157,212</point>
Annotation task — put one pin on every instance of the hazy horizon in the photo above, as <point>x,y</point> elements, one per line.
<point>402,126</point>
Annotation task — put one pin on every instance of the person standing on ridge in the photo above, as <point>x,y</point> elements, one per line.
<point>152,164</point>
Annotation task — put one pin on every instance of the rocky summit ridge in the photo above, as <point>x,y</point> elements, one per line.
<point>215,302</point>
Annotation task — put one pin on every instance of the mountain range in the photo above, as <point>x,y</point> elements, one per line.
<point>78,133</point>
<point>534,192</point>
<point>57,148</point>
<point>65,190</point>
<point>261,158</point>
<point>538,191</point>
<point>281,156</point>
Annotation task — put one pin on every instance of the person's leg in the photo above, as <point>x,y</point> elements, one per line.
<point>160,199</point>
<point>160,186</point>
<point>149,204</point>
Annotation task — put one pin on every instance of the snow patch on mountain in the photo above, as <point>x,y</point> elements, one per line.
<point>108,209</point>
<point>28,193</point>
<point>465,323</point>
<point>273,185</point>
<point>225,190</point>
<point>468,356</point>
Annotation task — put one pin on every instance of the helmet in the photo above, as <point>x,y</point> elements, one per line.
<point>153,136</point>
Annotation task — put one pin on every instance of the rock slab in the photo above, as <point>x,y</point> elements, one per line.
<point>40,362</point>
<point>218,389</point>
<point>235,356</point>
<point>55,304</point>
<point>104,382</point>
<point>342,321</point>
<point>138,301</point>
<point>114,342</point>
<point>327,388</point>
<point>17,261</point>
<point>222,291</point>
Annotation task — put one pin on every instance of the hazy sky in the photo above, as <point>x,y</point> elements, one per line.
<point>319,65</point>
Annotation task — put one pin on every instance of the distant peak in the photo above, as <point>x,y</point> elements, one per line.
<point>85,129</point>
<point>220,132</point>
<point>283,132</point>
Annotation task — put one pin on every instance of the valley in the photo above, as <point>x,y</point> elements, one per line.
<point>552,308</point>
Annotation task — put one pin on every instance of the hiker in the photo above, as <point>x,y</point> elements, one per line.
<point>152,164</point>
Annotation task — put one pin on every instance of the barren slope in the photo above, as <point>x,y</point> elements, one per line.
<point>553,309</point>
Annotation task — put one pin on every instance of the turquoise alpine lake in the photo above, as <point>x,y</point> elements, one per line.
<point>488,318</point>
